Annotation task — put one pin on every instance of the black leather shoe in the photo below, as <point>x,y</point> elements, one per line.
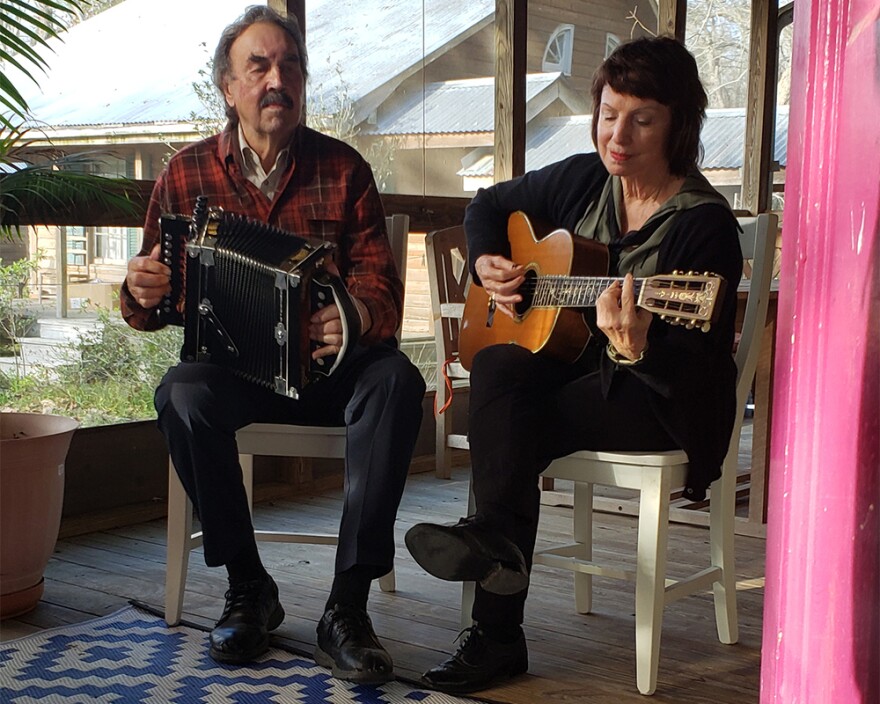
<point>469,552</point>
<point>479,663</point>
<point>348,645</point>
<point>242,633</point>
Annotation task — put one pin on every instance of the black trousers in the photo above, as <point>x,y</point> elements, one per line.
<point>526,410</point>
<point>377,395</point>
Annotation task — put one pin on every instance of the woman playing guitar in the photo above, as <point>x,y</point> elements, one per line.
<point>638,384</point>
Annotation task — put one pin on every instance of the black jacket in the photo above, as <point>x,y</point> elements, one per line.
<point>691,375</point>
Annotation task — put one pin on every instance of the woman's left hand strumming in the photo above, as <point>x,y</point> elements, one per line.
<point>625,324</point>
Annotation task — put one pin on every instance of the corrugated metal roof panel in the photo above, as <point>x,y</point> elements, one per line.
<point>548,141</point>
<point>558,138</point>
<point>452,106</point>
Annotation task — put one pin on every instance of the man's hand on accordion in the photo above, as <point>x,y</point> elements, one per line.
<point>326,326</point>
<point>148,279</point>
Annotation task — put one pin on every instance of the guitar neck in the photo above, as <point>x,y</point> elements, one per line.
<point>558,291</point>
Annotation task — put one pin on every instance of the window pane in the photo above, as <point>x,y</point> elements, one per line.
<point>783,97</point>
<point>559,106</point>
<point>411,87</point>
<point>718,37</point>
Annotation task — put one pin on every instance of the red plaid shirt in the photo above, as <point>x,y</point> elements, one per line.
<point>327,192</point>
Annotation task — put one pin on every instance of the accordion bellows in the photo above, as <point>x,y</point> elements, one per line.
<point>244,292</point>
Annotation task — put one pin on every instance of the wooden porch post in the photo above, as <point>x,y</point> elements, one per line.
<point>758,166</point>
<point>671,18</point>
<point>295,8</point>
<point>511,17</point>
<point>822,605</point>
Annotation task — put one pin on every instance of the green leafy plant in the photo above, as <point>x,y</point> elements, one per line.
<point>107,376</point>
<point>15,319</point>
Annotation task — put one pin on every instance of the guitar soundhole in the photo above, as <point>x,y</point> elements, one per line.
<point>527,291</point>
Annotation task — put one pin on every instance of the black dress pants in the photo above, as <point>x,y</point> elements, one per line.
<point>526,410</point>
<point>377,395</point>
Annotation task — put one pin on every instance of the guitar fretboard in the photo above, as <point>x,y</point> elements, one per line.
<point>552,291</point>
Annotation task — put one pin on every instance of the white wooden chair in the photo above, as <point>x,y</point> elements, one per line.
<point>263,439</point>
<point>446,254</point>
<point>654,475</point>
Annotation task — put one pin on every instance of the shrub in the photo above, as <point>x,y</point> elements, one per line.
<point>108,376</point>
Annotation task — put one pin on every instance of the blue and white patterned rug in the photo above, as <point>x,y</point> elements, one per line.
<point>132,656</point>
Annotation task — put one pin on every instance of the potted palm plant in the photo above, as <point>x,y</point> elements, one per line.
<point>33,447</point>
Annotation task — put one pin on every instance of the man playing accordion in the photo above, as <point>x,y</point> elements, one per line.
<point>268,166</point>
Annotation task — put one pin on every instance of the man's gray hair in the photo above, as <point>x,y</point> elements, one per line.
<point>252,15</point>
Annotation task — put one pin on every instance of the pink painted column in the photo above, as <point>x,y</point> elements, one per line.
<point>822,606</point>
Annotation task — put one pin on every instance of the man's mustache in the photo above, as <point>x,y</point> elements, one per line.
<point>276,97</point>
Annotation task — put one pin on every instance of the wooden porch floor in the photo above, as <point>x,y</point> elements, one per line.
<point>573,658</point>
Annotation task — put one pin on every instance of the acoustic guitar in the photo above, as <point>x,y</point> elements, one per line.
<point>564,273</point>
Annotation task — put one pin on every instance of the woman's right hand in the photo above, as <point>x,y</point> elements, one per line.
<point>500,278</point>
<point>148,279</point>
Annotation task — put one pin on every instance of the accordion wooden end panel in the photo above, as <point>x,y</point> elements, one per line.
<point>244,292</point>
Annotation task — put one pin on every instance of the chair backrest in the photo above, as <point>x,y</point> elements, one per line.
<point>446,254</point>
<point>398,233</point>
<point>758,243</point>
<point>397,226</point>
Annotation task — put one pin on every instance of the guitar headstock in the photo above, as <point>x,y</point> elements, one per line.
<point>683,298</point>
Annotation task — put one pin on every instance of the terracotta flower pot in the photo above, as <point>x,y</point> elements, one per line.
<point>33,448</point>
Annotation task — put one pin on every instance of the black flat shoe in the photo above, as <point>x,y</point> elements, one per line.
<point>348,646</point>
<point>469,552</point>
<point>479,663</point>
<point>242,633</point>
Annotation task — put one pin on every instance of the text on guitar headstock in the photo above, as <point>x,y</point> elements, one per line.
<point>680,298</point>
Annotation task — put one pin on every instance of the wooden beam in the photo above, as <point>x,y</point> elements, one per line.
<point>426,212</point>
<point>671,18</point>
<point>511,22</point>
<point>291,8</point>
<point>761,107</point>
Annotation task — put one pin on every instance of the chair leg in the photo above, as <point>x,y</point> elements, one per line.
<point>468,592</point>
<point>180,520</point>
<point>583,534</point>
<point>443,457</point>
<point>722,508</point>
<point>247,477</point>
<point>468,589</point>
<point>651,577</point>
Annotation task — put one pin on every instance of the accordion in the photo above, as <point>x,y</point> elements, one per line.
<point>244,292</point>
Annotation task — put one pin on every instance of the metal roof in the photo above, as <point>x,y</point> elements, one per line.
<point>724,134</point>
<point>550,140</point>
<point>452,107</point>
<point>136,62</point>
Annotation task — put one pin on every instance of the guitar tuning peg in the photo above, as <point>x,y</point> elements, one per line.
<point>705,327</point>
<point>675,272</point>
<point>690,324</point>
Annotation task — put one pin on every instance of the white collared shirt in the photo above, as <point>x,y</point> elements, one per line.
<point>253,171</point>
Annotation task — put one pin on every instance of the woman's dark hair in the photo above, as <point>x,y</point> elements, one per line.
<point>661,69</point>
<point>252,15</point>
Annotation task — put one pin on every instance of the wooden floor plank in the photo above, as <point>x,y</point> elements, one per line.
<point>573,657</point>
